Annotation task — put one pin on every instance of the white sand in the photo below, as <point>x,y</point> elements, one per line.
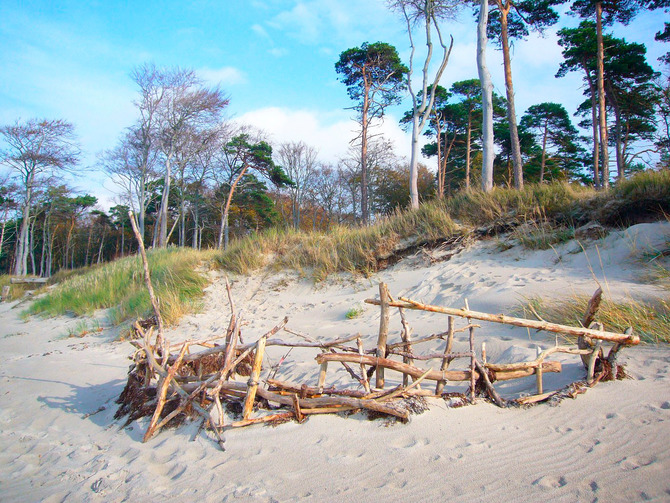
<point>611,444</point>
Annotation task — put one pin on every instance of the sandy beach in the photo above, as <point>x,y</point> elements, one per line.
<point>60,441</point>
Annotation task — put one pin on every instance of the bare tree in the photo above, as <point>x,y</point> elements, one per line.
<point>428,13</point>
<point>299,162</point>
<point>185,105</point>
<point>132,166</point>
<point>33,148</point>
<point>328,193</point>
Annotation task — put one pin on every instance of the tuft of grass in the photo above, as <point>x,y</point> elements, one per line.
<point>120,286</point>
<point>542,236</point>
<point>83,328</point>
<point>651,321</point>
<point>354,312</point>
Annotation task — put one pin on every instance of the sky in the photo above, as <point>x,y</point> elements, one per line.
<point>275,59</point>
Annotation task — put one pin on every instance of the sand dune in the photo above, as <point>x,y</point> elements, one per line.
<point>60,442</point>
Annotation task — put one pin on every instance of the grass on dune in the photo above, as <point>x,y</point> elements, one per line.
<point>556,201</point>
<point>120,285</point>
<point>650,320</point>
<point>342,249</point>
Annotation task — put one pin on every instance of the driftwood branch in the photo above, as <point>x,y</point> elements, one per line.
<point>433,375</point>
<point>624,339</point>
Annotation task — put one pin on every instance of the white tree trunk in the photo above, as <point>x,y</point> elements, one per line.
<point>162,236</point>
<point>488,153</point>
<point>414,164</point>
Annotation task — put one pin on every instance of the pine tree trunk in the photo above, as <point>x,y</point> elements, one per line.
<point>511,109</point>
<point>224,218</point>
<point>594,132</point>
<point>468,149</point>
<point>365,214</point>
<point>102,243</point>
<point>544,150</point>
<point>601,96</point>
<point>440,171</point>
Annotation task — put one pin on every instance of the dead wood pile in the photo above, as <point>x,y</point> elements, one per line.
<point>224,380</point>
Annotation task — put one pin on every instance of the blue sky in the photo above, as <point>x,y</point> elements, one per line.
<point>274,58</point>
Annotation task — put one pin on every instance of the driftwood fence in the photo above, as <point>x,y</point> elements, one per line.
<point>173,382</point>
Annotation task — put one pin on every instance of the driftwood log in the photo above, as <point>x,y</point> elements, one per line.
<point>623,339</point>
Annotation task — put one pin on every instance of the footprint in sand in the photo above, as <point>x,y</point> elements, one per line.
<point>633,463</point>
<point>550,482</point>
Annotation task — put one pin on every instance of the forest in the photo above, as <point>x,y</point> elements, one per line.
<point>194,178</point>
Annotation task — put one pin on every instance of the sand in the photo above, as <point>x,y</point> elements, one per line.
<point>59,441</point>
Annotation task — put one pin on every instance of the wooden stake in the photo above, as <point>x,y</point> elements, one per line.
<point>447,349</point>
<point>538,373</point>
<point>592,363</point>
<point>322,377</point>
<point>296,407</point>
<point>406,336</point>
<point>383,330</point>
<point>364,374</point>
<point>592,307</point>
<point>252,385</point>
<point>472,364</point>
<point>489,386</point>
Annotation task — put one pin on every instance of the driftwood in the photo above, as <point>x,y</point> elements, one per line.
<point>147,276</point>
<point>383,330</point>
<point>623,339</point>
<point>169,383</point>
<point>28,281</point>
<point>433,375</point>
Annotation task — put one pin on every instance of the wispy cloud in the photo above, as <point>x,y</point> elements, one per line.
<point>336,22</point>
<point>278,52</point>
<point>226,75</point>
<point>260,31</point>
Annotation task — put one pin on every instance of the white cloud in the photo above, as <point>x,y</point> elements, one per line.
<point>330,132</point>
<point>260,31</point>
<point>226,75</point>
<point>278,52</point>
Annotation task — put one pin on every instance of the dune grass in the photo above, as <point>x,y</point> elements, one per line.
<point>119,285</point>
<point>553,201</point>
<point>342,249</point>
<point>553,211</point>
<point>650,320</point>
